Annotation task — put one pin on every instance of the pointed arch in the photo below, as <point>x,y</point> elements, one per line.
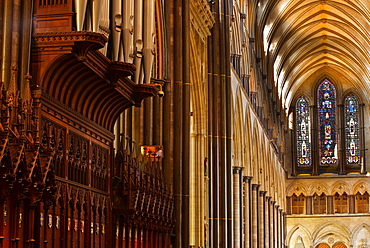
<point>298,230</point>
<point>361,230</point>
<point>340,187</point>
<point>360,187</point>
<point>318,188</point>
<point>331,228</point>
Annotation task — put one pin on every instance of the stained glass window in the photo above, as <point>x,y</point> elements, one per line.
<point>303,132</point>
<point>327,110</point>
<point>352,131</point>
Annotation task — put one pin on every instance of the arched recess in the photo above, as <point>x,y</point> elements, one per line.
<point>297,231</point>
<point>333,230</point>
<point>248,141</point>
<point>262,164</point>
<point>198,138</point>
<point>322,245</point>
<point>269,177</point>
<point>256,153</point>
<point>239,132</point>
<point>359,233</point>
<point>339,245</point>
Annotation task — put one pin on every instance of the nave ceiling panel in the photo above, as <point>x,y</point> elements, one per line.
<point>305,41</point>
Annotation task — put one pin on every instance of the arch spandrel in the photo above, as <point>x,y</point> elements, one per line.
<point>361,187</point>
<point>340,187</point>
<point>296,188</point>
<point>318,188</point>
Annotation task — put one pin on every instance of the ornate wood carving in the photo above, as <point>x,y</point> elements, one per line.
<point>143,197</point>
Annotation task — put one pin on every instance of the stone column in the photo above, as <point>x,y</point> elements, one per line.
<point>276,226</point>
<point>293,151</point>
<point>267,221</point>
<point>362,135</point>
<point>289,204</point>
<point>247,211</point>
<point>351,203</point>
<point>315,141</point>
<point>255,215</point>
<point>309,205</point>
<point>281,228</point>
<point>262,219</point>
<point>342,142</point>
<point>272,223</point>
<point>330,204</point>
<point>238,203</point>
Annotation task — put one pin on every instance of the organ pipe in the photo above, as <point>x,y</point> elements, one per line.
<point>148,39</point>
<point>80,6</point>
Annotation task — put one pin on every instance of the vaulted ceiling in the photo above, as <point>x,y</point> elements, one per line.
<point>309,40</point>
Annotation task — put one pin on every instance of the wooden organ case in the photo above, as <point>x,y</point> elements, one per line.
<point>58,164</point>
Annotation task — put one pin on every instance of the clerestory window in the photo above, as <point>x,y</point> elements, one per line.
<point>327,132</point>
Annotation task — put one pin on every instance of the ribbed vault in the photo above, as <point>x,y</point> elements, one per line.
<point>308,40</point>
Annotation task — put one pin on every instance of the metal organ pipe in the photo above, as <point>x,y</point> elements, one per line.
<point>80,6</point>
<point>148,39</point>
<point>7,40</point>
<point>127,30</point>
<point>101,17</point>
<point>97,7</point>
<point>116,30</point>
<point>138,38</point>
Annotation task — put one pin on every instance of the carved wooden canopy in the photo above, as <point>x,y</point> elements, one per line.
<point>70,69</point>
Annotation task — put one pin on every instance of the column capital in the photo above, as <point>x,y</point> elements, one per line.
<point>255,186</point>
<point>263,193</point>
<point>247,179</point>
<point>237,169</point>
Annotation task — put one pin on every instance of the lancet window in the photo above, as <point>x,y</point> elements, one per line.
<point>303,133</point>
<point>352,131</point>
<point>327,111</point>
<point>328,135</point>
